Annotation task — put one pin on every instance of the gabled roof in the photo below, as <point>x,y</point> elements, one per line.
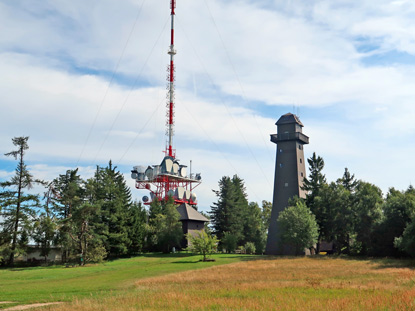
<point>289,118</point>
<point>187,212</point>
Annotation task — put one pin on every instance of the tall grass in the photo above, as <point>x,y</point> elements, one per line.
<point>274,284</point>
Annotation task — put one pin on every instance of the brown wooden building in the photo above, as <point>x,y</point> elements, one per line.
<point>192,221</point>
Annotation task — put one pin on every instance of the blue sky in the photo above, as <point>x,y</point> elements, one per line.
<point>86,80</point>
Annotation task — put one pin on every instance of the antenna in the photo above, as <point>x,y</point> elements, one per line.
<point>169,178</point>
<point>170,103</point>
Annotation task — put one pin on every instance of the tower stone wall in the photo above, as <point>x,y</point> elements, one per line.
<point>289,174</point>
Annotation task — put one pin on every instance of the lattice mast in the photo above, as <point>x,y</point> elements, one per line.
<point>170,104</point>
<point>170,178</point>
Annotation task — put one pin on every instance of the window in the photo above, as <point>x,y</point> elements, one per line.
<point>301,160</point>
<point>300,147</point>
<point>302,175</point>
<point>286,184</point>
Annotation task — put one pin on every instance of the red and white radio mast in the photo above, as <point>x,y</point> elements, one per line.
<point>170,104</point>
<point>169,178</point>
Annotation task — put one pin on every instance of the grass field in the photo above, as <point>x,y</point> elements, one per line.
<point>47,284</point>
<point>310,283</point>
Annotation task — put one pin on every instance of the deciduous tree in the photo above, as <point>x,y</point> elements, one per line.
<point>298,226</point>
<point>202,243</point>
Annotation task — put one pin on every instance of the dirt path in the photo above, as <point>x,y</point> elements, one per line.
<point>25,307</point>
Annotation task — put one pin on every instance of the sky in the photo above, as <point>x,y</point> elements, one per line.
<point>86,81</point>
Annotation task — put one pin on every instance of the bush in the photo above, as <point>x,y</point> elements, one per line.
<point>250,248</point>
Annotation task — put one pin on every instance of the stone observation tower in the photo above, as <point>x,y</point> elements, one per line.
<point>289,174</point>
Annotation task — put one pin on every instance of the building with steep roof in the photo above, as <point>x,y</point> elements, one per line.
<point>192,221</point>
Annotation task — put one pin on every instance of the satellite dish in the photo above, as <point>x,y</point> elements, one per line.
<point>145,199</point>
<point>198,176</point>
<point>187,195</point>
<point>139,168</point>
<point>182,171</point>
<point>194,197</point>
<point>179,193</point>
<point>167,165</point>
<point>175,168</point>
<point>149,173</point>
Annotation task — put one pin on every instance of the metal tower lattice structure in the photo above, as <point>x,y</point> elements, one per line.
<point>169,178</point>
<point>171,77</point>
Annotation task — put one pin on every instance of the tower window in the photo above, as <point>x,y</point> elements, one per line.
<point>302,175</point>
<point>300,147</point>
<point>301,160</point>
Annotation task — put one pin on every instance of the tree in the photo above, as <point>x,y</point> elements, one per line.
<point>298,226</point>
<point>313,185</point>
<point>165,228</point>
<point>266,213</point>
<point>229,242</point>
<point>136,225</point>
<point>315,181</point>
<point>202,243</point>
<point>18,207</point>
<point>68,194</point>
<point>367,201</point>
<point>110,191</point>
<point>348,181</point>
<point>44,232</point>
<point>254,227</point>
<point>398,211</point>
<point>406,242</point>
<point>228,214</point>
<point>87,244</point>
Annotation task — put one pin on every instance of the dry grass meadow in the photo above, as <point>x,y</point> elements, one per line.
<point>273,284</point>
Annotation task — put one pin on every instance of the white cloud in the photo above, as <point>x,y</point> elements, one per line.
<point>57,61</point>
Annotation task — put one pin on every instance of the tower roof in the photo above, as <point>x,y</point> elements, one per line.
<point>187,212</point>
<point>289,118</point>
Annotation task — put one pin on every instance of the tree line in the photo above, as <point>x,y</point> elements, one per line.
<point>88,219</point>
<point>350,215</point>
<point>94,219</point>
<point>355,216</point>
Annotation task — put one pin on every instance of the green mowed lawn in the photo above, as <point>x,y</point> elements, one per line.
<point>58,283</point>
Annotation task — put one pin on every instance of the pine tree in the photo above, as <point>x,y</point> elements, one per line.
<point>18,207</point>
<point>229,214</point>
<point>136,225</point>
<point>114,196</point>
<point>68,195</point>
<point>313,185</point>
